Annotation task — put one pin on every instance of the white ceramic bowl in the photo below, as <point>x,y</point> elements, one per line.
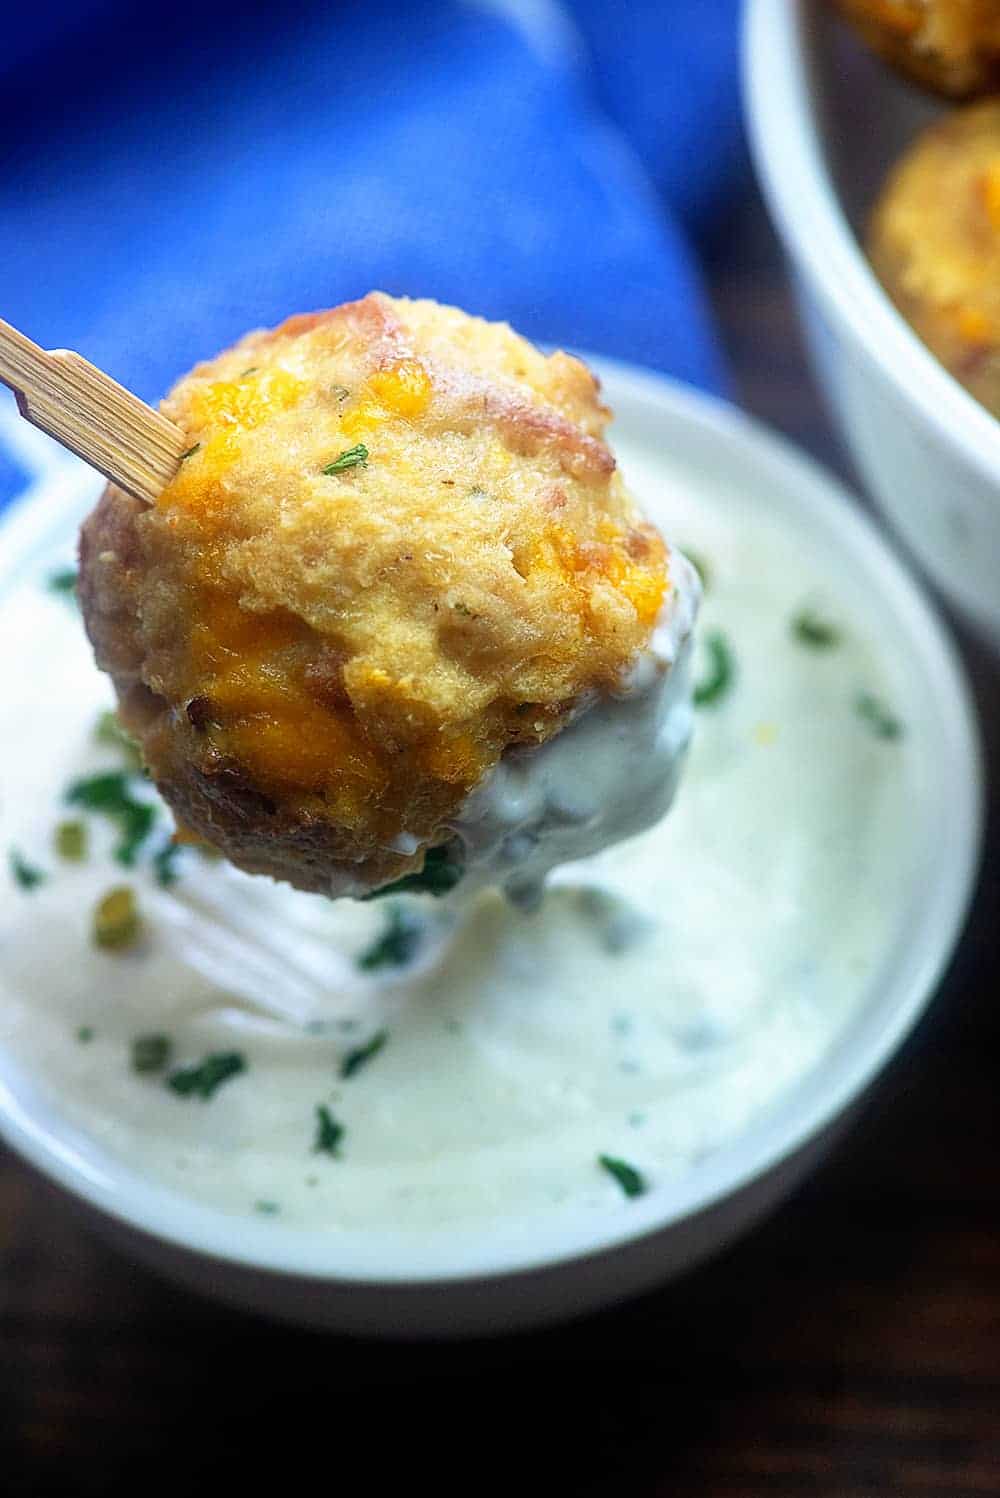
<point>509,1274</point>
<point>826,121</point>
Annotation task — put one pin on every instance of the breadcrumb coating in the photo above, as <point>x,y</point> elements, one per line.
<point>935,243</point>
<point>949,46</point>
<point>398,547</point>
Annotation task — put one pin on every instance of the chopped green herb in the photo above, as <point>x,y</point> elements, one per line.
<point>883,723</point>
<point>340,392</point>
<point>329,1132</point>
<point>267,1209</point>
<point>63,581</point>
<point>246,373</point>
<point>809,628</point>
<point>398,943</point>
<point>164,860</point>
<point>110,794</point>
<point>441,872</point>
<point>151,1053</point>
<point>109,732</point>
<point>701,565</point>
<point>713,687</point>
<point>628,1178</point>
<point>464,610</point>
<point>24,874</point>
<point>70,840</point>
<point>85,1034</point>
<point>190,452</point>
<point>352,457</point>
<point>204,1078</point>
<point>355,1060</point>
<point>117,921</point>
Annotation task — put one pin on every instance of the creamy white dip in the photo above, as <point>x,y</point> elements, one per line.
<point>664,994</point>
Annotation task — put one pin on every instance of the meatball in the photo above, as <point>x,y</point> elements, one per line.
<point>934,241</point>
<point>397,549</point>
<point>951,47</point>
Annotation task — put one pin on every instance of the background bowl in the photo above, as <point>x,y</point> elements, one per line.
<point>826,122</point>
<point>512,1273</point>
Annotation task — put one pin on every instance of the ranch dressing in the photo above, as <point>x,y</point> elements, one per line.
<point>662,996</point>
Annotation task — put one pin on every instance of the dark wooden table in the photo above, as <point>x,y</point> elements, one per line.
<point>850,1348</point>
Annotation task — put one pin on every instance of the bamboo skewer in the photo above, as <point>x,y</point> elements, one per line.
<point>91,414</point>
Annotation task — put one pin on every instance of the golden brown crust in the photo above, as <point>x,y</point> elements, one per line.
<point>321,660</point>
<point>934,242</point>
<point>951,47</point>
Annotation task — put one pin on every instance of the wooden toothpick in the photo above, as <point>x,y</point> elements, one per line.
<point>91,414</point>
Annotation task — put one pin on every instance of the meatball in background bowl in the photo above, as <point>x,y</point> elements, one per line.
<point>828,121</point>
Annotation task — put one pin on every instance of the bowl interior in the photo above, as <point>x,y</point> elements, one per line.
<point>706,438</point>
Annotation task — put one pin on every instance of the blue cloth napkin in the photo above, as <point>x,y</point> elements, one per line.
<point>174,177</point>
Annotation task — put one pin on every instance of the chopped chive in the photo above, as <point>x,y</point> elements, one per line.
<point>628,1178</point>
<point>117,922</point>
<point>398,943</point>
<point>24,874</point>
<point>245,373</point>
<point>190,452</point>
<point>70,840</point>
<point>63,581</point>
<point>164,861</point>
<point>873,711</point>
<point>207,1076</point>
<point>441,872</point>
<point>267,1209</point>
<point>329,1132</point>
<point>110,794</point>
<point>809,628</point>
<point>713,687</point>
<point>352,457</point>
<point>356,1059</point>
<point>151,1053</point>
<point>85,1034</point>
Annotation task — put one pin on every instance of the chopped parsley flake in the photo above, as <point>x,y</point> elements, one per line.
<point>109,732</point>
<point>117,921</point>
<point>203,1079</point>
<point>85,1034</point>
<point>63,581</point>
<point>811,629</point>
<point>398,944</point>
<point>110,794</point>
<point>267,1209</point>
<point>70,840</point>
<point>628,1178</point>
<point>190,452</point>
<point>164,860</point>
<point>441,872</point>
<point>24,874</point>
<point>246,373</point>
<point>329,1132</point>
<point>356,1059</point>
<point>352,457</point>
<point>883,723</point>
<point>340,392</point>
<point>151,1053</point>
<point>722,670</point>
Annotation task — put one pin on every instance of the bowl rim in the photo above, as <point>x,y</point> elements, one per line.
<point>787,150</point>
<point>798,1116</point>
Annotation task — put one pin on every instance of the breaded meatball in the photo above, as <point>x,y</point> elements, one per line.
<point>934,241</point>
<point>397,549</point>
<point>949,46</point>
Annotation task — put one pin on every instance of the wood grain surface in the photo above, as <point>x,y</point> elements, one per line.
<point>850,1348</point>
